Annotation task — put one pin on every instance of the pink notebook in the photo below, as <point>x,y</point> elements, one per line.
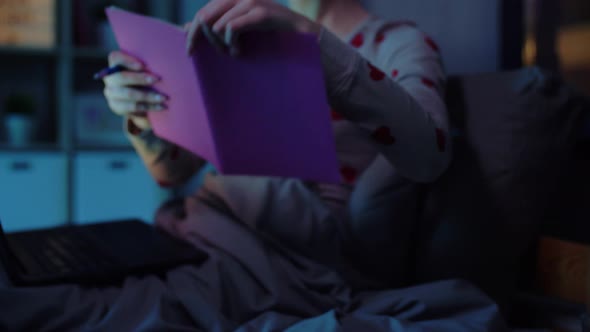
<point>264,113</point>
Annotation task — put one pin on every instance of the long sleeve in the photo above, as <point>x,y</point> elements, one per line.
<point>168,164</point>
<point>396,98</point>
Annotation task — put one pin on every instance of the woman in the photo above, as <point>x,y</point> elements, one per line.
<point>385,90</point>
<point>276,245</point>
<point>384,81</point>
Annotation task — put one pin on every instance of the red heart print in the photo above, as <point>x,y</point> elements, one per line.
<point>380,37</point>
<point>336,116</point>
<point>428,82</point>
<point>394,73</point>
<point>431,43</point>
<point>358,40</point>
<point>349,174</point>
<point>376,73</point>
<point>383,136</point>
<point>441,140</point>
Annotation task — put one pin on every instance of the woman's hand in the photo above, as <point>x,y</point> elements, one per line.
<point>231,17</point>
<point>129,93</point>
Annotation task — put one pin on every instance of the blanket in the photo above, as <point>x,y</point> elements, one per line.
<point>267,271</point>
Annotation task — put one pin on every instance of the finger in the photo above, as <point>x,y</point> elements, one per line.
<point>254,18</point>
<point>213,10</point>
<point>130,78</point>
<point>128,61</point>
<point>139,115</point>
<point>131,94</point>
<point>259,17</point>
<point>128,107</point>
<point>187,26</point>
<point>140,121</point>
<point>238,10</point>
<point>207,15</point>
<point>214,39</point>
<point>192,33</point>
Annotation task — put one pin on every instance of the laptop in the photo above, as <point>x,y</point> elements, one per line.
<point>101,253</point>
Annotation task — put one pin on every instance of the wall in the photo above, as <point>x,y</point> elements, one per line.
<point>468,31</point>
<point>188,8</point>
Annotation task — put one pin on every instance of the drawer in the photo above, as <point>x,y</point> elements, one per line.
<point>33,190</point>
<point>113,185</point>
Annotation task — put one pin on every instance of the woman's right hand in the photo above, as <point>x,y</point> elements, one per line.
<point>124,92</point>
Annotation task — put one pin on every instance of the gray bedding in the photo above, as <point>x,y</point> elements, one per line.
<point>185,301</point>
<point>251,282</point>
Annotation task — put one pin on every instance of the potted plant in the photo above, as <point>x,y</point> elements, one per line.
<point>19,111</point>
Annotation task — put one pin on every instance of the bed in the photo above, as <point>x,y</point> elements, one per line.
<point>257,284</point>
<point>249,283</point>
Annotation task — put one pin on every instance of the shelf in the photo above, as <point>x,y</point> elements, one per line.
<point>49,147</point>
<point>33,147</point>
<point>55,76</point>
<point>27,51</point>
<point>104,148</point>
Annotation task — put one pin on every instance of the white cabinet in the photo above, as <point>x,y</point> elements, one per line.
<point>33,192</point>
<point>113,185</point>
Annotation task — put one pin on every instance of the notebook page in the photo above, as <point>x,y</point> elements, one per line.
<point>161,46</point>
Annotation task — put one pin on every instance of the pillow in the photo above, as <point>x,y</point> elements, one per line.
<point>517,131</point>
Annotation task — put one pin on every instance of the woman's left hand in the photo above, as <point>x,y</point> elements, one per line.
<point>231,17</point>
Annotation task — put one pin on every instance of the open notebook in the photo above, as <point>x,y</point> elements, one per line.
<point>264,113</point>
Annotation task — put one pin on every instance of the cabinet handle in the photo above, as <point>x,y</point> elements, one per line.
<point>118,165</point>
<point>20,166</point>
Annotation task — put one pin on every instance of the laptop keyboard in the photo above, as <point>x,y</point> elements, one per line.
<point>102,252</point>
<point>64,252</point>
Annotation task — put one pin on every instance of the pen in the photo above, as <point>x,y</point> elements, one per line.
<point>109,71</point>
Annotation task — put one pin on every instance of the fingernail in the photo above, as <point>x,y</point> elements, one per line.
<point>153,79</point>
<point>228,36</point>
<point>158,97</point>
<point>135,65</point>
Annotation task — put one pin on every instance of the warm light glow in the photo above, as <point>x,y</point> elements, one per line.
<point>529,53</point>
<point>573,46</point>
